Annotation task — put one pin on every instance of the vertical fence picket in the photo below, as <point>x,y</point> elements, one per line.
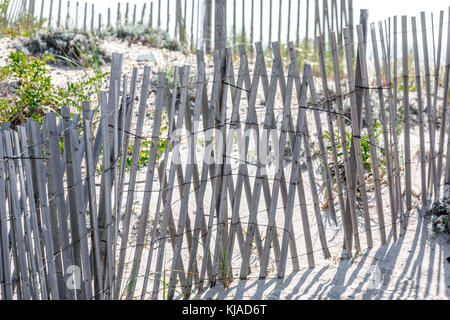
<point>5,245</point>
<point>386,130</point>
<point>33,216</point>
<point>406,119</point>
<point>418,80</point>
<point>370,128</point>
<point>337,172</point>
<point>57,203</point>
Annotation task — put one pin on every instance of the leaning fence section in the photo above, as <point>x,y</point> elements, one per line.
<point>259,170</point>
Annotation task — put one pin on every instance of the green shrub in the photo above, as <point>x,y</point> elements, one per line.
<point>33,93</point>
<point>33,87</point>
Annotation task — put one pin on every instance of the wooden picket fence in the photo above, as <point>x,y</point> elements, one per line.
<point>197,22</point>
<point>67,198</point>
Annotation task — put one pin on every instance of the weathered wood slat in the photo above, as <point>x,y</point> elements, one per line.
<point>33,214</point>
<point>270,233</point>
<point>104,224</point>
<point>393,135</point>
<point>132,178</point>
<point>429,105</point>
<point>346,220</point>
<point>445,101</point>
<point>356,143</point>
<point>32,267</point>
<point>90,171</point>
<point>160,100</point>
<point>172,172</point>
<point>296,173</point>
<point>76,209</point>
<point>56,195</point>
<point>433,118</point>
<point>143,218</point>
<point>418,79</point>
<point>406,120</point>
<point>7,291</point>
<point>371,131</point>
<point>386,131</point>
<point>443,118</point>
<point>15,216</point>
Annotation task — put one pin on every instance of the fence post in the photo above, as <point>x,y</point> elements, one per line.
<point>244,36</point>
<point>307,25</point>
<point>159,14</point>
<point>90,167</point>
<point>406,116</point>
<point>270,24</point>
<point>58,21</point>
<point>261,22</point>
<point>297,39</point>
<point>420,109</point>
<point>85,18</point>
<point>42,11</point>
<point>362,43</point>
<point>99,24</point>
<point>50,14</point>
<point>288,36</point>
<point>350,22</point>
<point>220,33</point>
<point>279,20</point>
<point>251,25</point>
<point>143,13</point>
<point>92,19</point>
<point>446,95</point>
<point>108,22</point>
<point>150,18</point>
<point>77,7</point>
<point>168,15</point>
<point>234,23</point>
<point>192,24</point>
<point>68,15</point>
<point>436,85</point>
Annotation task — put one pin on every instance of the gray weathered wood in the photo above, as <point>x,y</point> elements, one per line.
<point>446,96</point>
<point>356,142</point>
<point>5,245</point>
<point>90,171</point>
<point>56,197</point>
<point>370,129</point>
<point>33,215</point>
<point>32,267</point>
<point>429,105</point>
<point>50,14</point>
<point>346,220</point>
<point>132,178</point>
<point>58,22</point>
<point>386,130</point>
<point>423,176</point>
<point>406,120</point>
<point>76,209</point>
<point>143,218</point>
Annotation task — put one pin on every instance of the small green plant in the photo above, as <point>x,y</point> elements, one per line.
<point>365,145</point>
<point>33,88</point>
<point>33,93</point>
<point>144,154</point>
